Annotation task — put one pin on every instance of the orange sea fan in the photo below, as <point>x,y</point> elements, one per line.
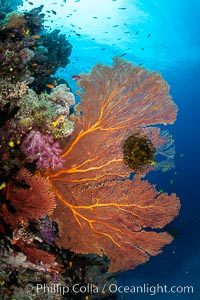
<point>34,202</point>
<point>111,219</point>
<point>97,216</point>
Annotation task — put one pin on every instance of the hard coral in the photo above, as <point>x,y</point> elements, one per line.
<point>15,20</point>
<point>62,95</point>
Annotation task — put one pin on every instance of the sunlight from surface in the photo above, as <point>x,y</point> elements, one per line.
<point>146,32</point>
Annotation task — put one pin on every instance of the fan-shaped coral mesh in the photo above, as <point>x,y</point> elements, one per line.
<point>99,210</point>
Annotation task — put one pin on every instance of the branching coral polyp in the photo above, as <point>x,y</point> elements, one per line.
<point>99,210</point>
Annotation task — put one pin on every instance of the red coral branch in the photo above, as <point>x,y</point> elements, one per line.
<point>31,203</point>
<point>35,255</point>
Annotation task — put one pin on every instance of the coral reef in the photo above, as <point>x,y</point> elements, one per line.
<point>21,110</point>
<point>21,273</point>
<point>28,56</point>
<point>65,174</point>
<point>52,52</point>
<point>36,111</point>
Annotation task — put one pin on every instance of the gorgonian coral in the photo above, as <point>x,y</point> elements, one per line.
<point>34,201</point>
<point>111,214</point>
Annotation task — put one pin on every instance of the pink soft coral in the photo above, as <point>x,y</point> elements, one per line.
<point>43,148</point>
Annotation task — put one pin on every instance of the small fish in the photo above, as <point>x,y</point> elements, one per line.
<point>78,34</point>
<point>34,65</point>
<point>53,11</point>
<point>123,54</point>
<point>95,17</point>
<point>140,64</point>
<point>171,181</point>
<point>31,3</point>
<point>121,7</point>
<point>148,35</point>
<point>103,48</point>
<point>58,120</point>
<point>76,77</point>
<point>137,32</point>
<point>70,264</point>
<point>154,108</point>
<point>115,25</point>
<point>36,36</point>
<point>161,191</point>
<point>142,49</point>
<point>48,11</point>
<point>127,32</point>
<point>2,282</point>
<point>50,86</point>
<point>179,155</point>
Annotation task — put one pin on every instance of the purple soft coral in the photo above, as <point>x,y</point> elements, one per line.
<point>43,148</point>
<point>48,230</point>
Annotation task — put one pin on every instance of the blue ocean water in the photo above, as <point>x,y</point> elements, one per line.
<point>162,35</point>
